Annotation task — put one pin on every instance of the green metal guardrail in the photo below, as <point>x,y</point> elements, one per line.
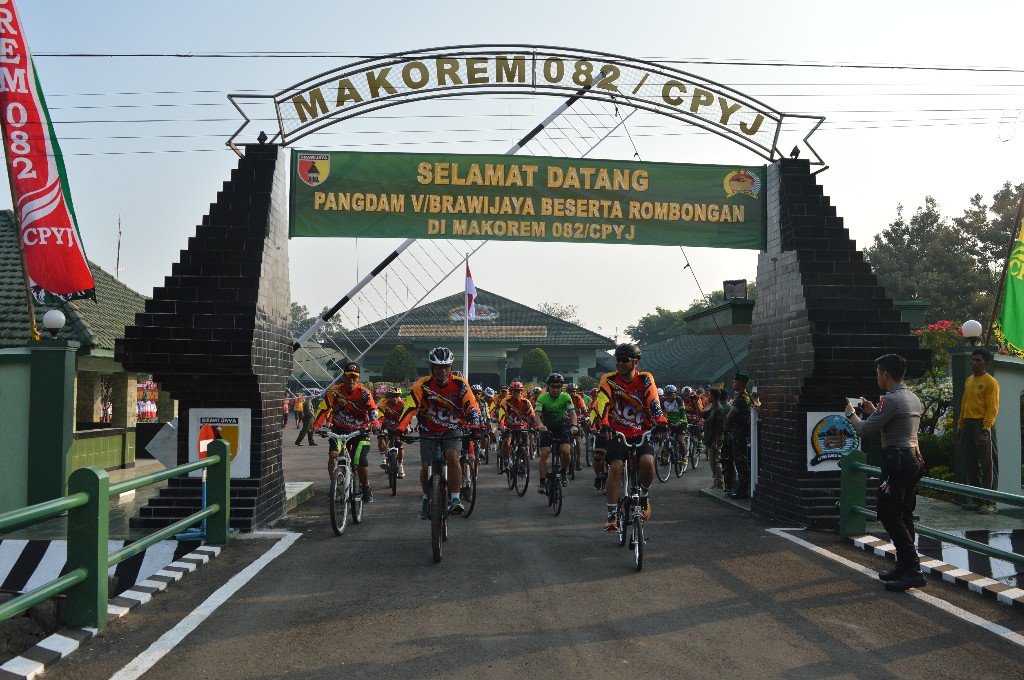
<point>88,508</point>
<point>853,499</point>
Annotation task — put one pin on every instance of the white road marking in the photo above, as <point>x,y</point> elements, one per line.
<point>962,614</point>
<point>169,640</point>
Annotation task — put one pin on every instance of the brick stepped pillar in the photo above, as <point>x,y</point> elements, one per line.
<point>215,334</point>
<point>820,319</point>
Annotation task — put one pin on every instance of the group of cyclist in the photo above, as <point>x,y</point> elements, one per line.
<point>626,405</point>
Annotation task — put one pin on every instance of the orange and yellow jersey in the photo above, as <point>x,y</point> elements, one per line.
<point>580,405</point>
<point>347,411</point>
<point>515,414</point>
<point>440,409</point>
<point>390,412</point>
<point>630,407</point>
<point>492,407</point>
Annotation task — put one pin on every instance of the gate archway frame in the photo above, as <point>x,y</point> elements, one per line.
<point>417,75</point>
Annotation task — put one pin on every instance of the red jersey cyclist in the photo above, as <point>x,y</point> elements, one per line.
<point>627,403</point>
<point>514,415</point>
<point>443,404</point>
<point>390,410</point>
<point>346,408</point>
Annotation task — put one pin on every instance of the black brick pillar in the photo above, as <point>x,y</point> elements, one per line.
<point>819,321</point>
<point>215,334</point>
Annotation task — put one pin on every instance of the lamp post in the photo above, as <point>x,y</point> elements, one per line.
<point>54,320</point>
<point>970,330</point>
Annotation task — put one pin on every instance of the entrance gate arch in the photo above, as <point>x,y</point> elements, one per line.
<point>215,334</point>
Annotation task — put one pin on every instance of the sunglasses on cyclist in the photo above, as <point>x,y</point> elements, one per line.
<point>622,360</point>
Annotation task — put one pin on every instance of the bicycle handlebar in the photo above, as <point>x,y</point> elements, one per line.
<point>342,438</point>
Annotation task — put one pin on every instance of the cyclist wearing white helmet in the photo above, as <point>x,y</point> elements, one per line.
<point>675,414</point>
<point>431,400</point>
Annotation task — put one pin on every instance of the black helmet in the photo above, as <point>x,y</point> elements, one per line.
<point>627,350</point>
<point>555,378</point>
<point>441,356</point>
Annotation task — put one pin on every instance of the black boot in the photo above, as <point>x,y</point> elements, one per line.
<point>912,578</point>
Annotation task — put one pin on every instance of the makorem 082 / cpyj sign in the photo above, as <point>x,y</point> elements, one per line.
<point>524,198</point>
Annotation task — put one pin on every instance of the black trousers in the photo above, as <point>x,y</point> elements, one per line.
<point>903,468</point>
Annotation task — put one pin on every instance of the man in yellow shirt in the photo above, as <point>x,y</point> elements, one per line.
<point>974,436</point>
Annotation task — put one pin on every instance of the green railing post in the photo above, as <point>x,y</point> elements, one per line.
<point>853,493</point>
<point>88,529</point>
<point>218,490</point>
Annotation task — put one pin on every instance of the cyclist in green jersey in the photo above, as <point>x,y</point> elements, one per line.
<point>555,417</point>
<point>675,413</point>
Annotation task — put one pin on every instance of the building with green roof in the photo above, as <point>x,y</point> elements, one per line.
<point>503,332</point>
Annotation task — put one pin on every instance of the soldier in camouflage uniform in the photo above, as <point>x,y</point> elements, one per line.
<point>738,423</point>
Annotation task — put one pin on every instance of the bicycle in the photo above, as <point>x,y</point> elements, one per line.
<point>469,475</point>
<point>391,463</point>
<point>628,513</point>
<point>554,479</point>
<point>693,447</point>
<point>345,495</point>
<point>519,465</point>
<point>438,509</point>
<point>665,460</point>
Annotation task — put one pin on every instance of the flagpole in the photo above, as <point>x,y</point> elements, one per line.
<point>465,323</point>
<point>33,329</point>
<point>1006,265</point>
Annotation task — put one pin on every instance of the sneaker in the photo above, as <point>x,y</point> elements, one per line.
<point>367,494</point>
<point>401,471</point>
<point>645,506</point>
<point>563,478</point>
<point>579,466</point>
<point>908,579</point>
<point>424,511</point>
<point>383,463</point>
<point>597,482</point>
<point>542,488</point>
<point>456,508</point>
<point>611,524</point>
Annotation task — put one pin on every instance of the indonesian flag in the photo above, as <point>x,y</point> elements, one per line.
<point>54,256</point>
<point>470,294</point>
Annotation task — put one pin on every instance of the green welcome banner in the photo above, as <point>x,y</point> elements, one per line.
<point>526,198</point>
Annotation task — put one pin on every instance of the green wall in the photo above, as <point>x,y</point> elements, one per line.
<point>15,375</point>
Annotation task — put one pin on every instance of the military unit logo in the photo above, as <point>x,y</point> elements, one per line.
<point>313,168</point>
<point>742,182</point>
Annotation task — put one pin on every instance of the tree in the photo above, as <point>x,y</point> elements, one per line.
<point>931,258</point>
<point>536,365</point>
<point>300,320</point>
<point>665,325</point>
<point>587,382</point>
<point>661,325</point>
<point>568,313</point>
<point>399,365</point>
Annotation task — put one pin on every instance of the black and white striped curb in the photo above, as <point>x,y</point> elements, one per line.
<point>49,651</point>
<point>1004,593</point>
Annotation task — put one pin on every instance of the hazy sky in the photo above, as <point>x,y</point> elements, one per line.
<point>144,135</point>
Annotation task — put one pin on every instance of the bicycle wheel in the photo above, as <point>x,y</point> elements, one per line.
<point>694,454</point>
<point>555,496</point>
<point>355,498</point>
<point>339,499</point>
<point>574,458</point>
<point>393,472</point>
<point>677,463</point>
<point>663,463</point>
<point>469,489</point>
<point>436,509</point>
<point>521,465</point>
<point>638,542</point>
<point>621,512</point>
<point>588,449</point>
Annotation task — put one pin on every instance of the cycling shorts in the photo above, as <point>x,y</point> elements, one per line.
<point>616,450</point>
<point>435,448</point>
<point>551,437</point>
<point>332,447</point>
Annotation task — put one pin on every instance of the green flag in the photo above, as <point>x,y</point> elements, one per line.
<point>1009,329</point>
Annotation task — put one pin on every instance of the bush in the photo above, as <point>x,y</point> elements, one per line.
<point>937,450</point>
<point>944,473</point>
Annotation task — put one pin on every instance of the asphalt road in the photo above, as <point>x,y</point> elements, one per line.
<point>523,593</point>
